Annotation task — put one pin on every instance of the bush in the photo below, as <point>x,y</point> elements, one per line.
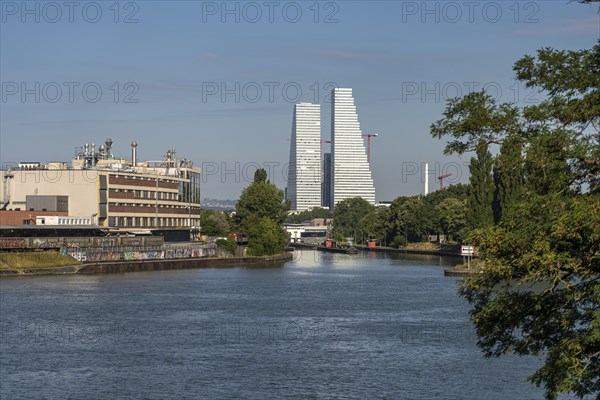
<point>228,245</point>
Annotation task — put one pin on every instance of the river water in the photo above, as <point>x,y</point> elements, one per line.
<point>320,326</point>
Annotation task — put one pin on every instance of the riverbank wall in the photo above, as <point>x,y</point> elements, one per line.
<point>407,251</point>
<point>151,265</point>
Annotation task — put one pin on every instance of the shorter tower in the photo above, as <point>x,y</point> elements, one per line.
<point>304,173</point>
<point>326,180</point>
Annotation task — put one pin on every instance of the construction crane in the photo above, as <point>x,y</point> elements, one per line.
<point>441,179</point>
<point>369,136</point>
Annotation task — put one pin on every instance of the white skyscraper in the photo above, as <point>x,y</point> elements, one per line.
<point>304,174</point>
<point>350,170</point>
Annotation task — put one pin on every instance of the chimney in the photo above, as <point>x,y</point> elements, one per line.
<point>426,191</point>
<point>134,153</point>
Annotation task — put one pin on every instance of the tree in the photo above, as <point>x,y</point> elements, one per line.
<point>411,221</point>
<point>481,195</point>
<point>538,292</point>
<point>229,245</point>
<point>215,223</point>
<point>262,199</point>
<point>260,176</point>
<point>259,213</point>
<point>475,121</point>
<point>372,226</point>
<point>508,176</point>
<point>452,214</point>
<point>346,215</point>
<point>265,237</point>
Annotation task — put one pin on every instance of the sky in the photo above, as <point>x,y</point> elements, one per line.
<point>218,80</point>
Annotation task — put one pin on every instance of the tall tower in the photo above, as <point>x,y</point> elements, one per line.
<point>304,174</point>
<point>350,170</point>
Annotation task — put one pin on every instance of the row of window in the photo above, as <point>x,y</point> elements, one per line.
<point>74,221</point>
<point>148,194</point>
<point>151,222</point>
<point>181,207</point>
<point>141,178</point>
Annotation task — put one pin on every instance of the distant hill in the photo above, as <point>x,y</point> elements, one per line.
<point>216,204</point>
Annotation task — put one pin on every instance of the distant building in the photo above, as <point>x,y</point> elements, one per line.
<point>350,170</point>
<point>97,187</point>
<point>326,200</point>
<point>313,231</point>
<point>304,174</point>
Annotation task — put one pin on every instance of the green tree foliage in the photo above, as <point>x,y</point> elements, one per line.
<point>413,218</point>
<point>481,195</point>
<point>566,125</point>
<point>260,176</point>
<point>262,199</point>
<point>308,215</point>
<point>372,226</point>
<point>259,213</point>
<point>265,236</point>
<point>508,176</point>
<point>546,167</point>
<point>539,290</point>
<point>215,223</point>
<point>346,215</point>
<point>452,214</point>
<point>229,245</point>
<point>473,121</point>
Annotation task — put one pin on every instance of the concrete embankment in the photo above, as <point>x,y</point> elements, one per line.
<point>407,251</point>
<point>150,265</point>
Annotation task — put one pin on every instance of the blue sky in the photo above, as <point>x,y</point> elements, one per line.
<point>171,60</point>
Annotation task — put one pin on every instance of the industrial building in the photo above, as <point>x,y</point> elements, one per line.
<point>101,189</point>
<point>304,174</point>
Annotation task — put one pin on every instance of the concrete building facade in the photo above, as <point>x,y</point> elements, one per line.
<point>109,191</point>
<point>350,170</point>
<point>304,173</point>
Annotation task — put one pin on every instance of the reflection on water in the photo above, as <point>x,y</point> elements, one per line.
<point>321,326</point>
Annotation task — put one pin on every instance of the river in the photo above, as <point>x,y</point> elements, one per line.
<point>321,326</point>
